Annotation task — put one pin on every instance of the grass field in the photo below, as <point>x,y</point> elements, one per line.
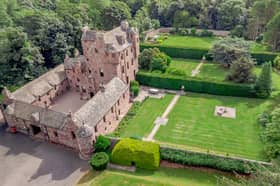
<point>162,177</point>
<point>142,124</point>
<point>203,43</point>
<point>192,124</point>
<point>187,65</point>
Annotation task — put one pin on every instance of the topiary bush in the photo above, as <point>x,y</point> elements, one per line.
<point>102,144</point>
<point>99,161</point>
<point>142,154</point>
<point>134,88</point>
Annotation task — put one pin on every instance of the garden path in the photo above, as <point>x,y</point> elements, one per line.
<point>197,69</point>
<point>164,116</point>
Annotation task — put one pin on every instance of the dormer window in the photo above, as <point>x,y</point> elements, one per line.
<point>96,51</point>
<point>122,56</point>
<point>39,98</point>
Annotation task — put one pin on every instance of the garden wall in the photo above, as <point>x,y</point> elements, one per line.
<point>194,85</point>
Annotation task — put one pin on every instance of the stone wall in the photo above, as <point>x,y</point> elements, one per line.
<point>47,99</point>
<point>113,117</point>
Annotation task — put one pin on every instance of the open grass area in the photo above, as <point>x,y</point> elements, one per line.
<point>193,125</point>
<point>162,177</point>
<point>142,124</point>
<point>187,65</point>
<point>189,41</point>
<point>203,43</point>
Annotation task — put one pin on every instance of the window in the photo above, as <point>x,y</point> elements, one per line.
<point>122,69</point>
<point>39,98</point>
<point>104,118</point>
<point>96,51</point>
<point>118,102</point>
<point>122,56</point>
<point>55,134</point>
<point>101,73</point>
<point>73,135</point>
<point>95,129</point>
<point>127,65</point>
<point>113,55</point>
<point>78,79</point>
<point>48,93</point>
<point>132,62</point>
<point>119,112</point>
<point>126,52</point>
<point>112,109</point>
<point>123,96</point>
<point>84,90</point>
<point>127,79</point>
<point>89,71</point>
<point>131,49</point>
<point>105,128</point>
<point>55,87</point>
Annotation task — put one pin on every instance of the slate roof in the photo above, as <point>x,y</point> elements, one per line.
<point>96,108</point>
<point>70,63</point>
<point>30,112</point>
<point>40,86</point>
<point>115,40</point>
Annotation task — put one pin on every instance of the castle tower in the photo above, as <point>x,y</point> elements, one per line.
<point>85,142</point>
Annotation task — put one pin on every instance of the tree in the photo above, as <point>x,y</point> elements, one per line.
<point>153,59</point>
<point>241,71</point>
<point>182,19</point>
<point>114,14</point>
<point>230,13</point>
<point>272,35</point>
<point>20,61</point>
<point>261,12</point>
<point>263,86</point>
<point>227,50</point>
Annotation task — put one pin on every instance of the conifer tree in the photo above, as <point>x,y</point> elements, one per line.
<point>263,86</point>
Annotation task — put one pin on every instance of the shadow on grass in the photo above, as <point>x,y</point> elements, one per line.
<point>88,177</point>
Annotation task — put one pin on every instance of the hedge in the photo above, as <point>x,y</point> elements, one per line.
<point>102,144</point>
<point>190,158</point>
<point>192,53</point>
<point>194,85</point>
<point>99,161</point>
<point>142,154</point>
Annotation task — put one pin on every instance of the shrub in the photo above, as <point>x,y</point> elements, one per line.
<point>167,81</point>
<point>176,72</point>
<point>139,153</point>
<point>190,158</point>
<point>206,33</point>
<point>263,86</point>
<point>276,63</point>
<point>134,88</point>
<point>102,144</point>
<point>193,31</point>
<point>99,161</point>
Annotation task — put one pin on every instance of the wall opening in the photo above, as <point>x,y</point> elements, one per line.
<point>35,129</point>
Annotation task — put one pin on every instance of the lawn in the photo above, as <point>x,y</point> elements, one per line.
<point>187,65</point>
<point>162,177</point>
<point>192,125</point>
<point>143,123</point>
<point>203,43</point>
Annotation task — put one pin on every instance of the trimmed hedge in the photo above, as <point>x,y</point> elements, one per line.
<point>99,161</point>
<point>207,160</point>
<point>192,53</point>
<point>142,154</point>
<point>102,144</point>
<point>194,85</point>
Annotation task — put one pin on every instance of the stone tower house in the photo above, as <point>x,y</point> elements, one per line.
<point>105,55</point>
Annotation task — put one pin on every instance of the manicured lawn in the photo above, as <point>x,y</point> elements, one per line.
<point>192,125</point>
<point>203,43</point>
<point>143,123</point>
<point>212,71</point>
<point>162,177</point>
<point>187,65</point>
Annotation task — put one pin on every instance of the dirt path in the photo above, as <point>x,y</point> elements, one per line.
<point>164,115</point>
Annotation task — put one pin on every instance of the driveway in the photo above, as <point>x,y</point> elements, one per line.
<point>25,162</point>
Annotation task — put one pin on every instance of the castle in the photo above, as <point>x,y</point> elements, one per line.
<point>85,97</point>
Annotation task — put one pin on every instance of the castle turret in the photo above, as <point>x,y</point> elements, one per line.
<point>85,141</point>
